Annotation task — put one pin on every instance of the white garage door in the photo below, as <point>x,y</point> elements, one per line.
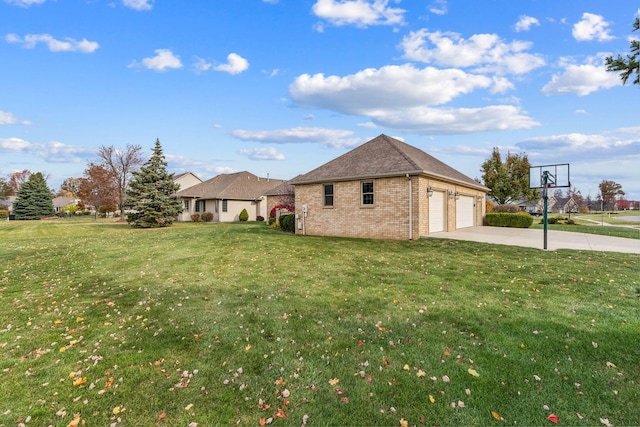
<point>464,212</point>
<point>436,212</point>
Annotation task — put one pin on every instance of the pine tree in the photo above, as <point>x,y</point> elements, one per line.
<point>33,200</point>
<point>152,200</point>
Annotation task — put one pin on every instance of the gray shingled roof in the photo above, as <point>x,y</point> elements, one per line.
<point>235,186</point>
<point>384,156</point>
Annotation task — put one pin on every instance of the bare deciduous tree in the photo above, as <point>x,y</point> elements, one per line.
<point>120,164</point>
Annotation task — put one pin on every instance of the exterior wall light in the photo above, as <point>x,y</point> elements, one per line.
<point>429,192</point>
<point>457,195</point>
<point>451,194</point>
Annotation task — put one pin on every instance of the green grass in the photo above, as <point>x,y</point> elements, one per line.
<point>225,324</point>
<point>613,231</point>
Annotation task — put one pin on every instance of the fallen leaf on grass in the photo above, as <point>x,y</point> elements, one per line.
<point>431,399</point>
<point>611,365</point>
<point>496,416</point>
<point>161,416</point>
<point>79,381</point>
<point>248,347</point>
<point>553,418</point>
<point>420,373</point>
<point>606,422</point>
<point>75,421</point>
<point>334,381</point>
<point>116,410</point>
<point>473,372</point>
<point>404,423</point>
<point>188,407</point>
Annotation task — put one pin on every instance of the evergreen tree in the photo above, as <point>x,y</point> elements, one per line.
<point>33,200</point>
<point>629,65</point>
<point>152,200</point>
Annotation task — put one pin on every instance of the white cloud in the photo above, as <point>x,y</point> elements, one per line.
<point>425,120</point>
<point>67,45</point>
<point>484,52</point>
<point>235,64</point>
<point>201,65</point>
<point>7,118</point>
<point>164,60</point>
<point>271,1</point>
<point>361,13</point>
<point>138,4</point>
<point>525,23</point>
<point>292,135</point>
<point>617,144</point>
<point>439,7</point>
<point>51,152</point>
<point>392,86</point>
<point>265,153</point>
<point>592,27</point>
<point>402,97</point>
<point>581,79</point>
<point>24,3</point>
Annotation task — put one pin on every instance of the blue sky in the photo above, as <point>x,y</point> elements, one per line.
<point>280,87</point>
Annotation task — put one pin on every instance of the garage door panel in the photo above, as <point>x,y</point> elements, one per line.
<point>465,212</point>
<point>436,212</point>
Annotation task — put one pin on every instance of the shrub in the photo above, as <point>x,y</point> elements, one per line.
<point>244,215</point>
<point>289,208</point>
<point>260,218</point>
<point>571,222</point>
<point>272,220</point>
<point>195,217</point>
<point>206,217</point>
<point>508,219</point>
<point>287,222</point>
<point>4,213</point>
<point>552,220</point>
<point>507,208</point>
<point>489,206</point>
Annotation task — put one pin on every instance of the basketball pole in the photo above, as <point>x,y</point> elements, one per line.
<point>545,184</point>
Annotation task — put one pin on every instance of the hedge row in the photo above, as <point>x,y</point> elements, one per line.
<point>508,219</point>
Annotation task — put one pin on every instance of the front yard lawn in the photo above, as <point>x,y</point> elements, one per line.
<point>226,324</point>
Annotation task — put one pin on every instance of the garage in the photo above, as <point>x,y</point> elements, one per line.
<point>465,212</point>
<point>436,212</point>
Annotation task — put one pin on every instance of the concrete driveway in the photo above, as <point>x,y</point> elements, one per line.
<point>535,239</point>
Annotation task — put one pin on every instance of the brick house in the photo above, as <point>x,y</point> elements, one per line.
<point>386,189</point>
<point>226,195</point>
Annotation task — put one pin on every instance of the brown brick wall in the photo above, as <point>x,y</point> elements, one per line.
<point>389,216</point>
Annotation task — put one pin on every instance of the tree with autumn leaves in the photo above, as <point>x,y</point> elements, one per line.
<point>507,180</point>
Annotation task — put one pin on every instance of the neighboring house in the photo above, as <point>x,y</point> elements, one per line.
<point>60,202</point>
<point>565,205</point>
<point>283,194</point>
<point>226,195</point>
<point>386,189</point>
<point>7,203</point>
<point>186,180</point>
<point>557,205</point>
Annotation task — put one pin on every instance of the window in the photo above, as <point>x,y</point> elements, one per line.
<point>200,206</point>
<point>367,193</point>
<point>185,204</point>
<point>328,194</point>
<point>224,206</point>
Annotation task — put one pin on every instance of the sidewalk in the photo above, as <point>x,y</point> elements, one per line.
<point>534,238</point>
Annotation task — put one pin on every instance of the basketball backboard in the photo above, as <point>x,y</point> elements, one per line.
<point>552,175</point>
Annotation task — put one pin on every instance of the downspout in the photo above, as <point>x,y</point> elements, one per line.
<point>410,208</point>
